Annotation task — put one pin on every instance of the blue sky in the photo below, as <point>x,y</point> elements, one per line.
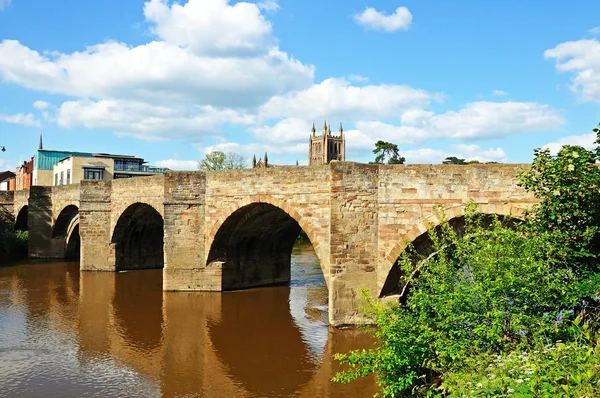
<point>170,81</point>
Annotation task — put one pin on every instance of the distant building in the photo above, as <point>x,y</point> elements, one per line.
<point>24,176</point>
<point>322,149</point>
<point>7,181</point>
<point>100,166</point>
<point>44,162</point>
<point>326,147</point>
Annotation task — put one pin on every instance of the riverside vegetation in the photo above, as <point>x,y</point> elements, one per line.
<point>13,243</point>
<point>499,308</point>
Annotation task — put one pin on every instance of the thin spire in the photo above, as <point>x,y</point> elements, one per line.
<point>341,129</point>
<point>313,130</point>
<point>325,127</point>
<point>266,160</point>
<point>254,161</point>
<point>41,146</point>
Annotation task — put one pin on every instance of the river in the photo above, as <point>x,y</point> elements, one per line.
<point>69,334</point>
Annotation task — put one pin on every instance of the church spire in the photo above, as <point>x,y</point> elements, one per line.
<point>41,146</point>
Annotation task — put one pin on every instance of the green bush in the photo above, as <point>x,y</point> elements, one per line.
<point>568,187</point>
<point>569,369</point>
<point>12,241</point>
<point>489,291</point>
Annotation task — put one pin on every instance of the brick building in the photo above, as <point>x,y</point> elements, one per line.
<point>24,176</point>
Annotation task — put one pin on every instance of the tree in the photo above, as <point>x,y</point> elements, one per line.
<point>387,151</point>
<point>453,160</point>
<point>218,160</point>
<point>567,186</point>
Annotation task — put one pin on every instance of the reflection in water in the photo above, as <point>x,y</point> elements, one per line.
<point>67,334</point>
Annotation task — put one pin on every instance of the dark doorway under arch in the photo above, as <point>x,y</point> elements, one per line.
<point>254,247</point>
<point>139,238</point>
<point>22,219</point>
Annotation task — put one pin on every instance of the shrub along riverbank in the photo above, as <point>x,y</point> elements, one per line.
<point>499,309</point>
<point>13,243</point>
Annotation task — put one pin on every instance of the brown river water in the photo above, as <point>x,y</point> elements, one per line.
<point>69,334</point>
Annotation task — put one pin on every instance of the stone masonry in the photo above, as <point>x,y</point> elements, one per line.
<point>235,229</point>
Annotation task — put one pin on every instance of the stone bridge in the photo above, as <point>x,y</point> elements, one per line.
<point>235,229</point>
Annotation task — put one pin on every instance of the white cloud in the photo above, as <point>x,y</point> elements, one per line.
<point>476,120</point>
<point>175,164</point>
<point>286,130</point>
<point>209,54</point>
<point>585,140</point>
<point>358,78</point>
<point>337,98</point>
<point>475,152</point>
<point>370,18</point>
<point>268,5</point>
<point>147,121</point>
<point>24,119</point>
<point>595,30</point>
<point>499,93</point>
<point>415,116</point>
<point>156,72</point>
<point>582,58</point>
<point>4,4</point>
<point>210,26</point>
<point>41,105</point>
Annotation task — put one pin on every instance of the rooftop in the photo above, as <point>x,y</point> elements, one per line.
<point>45,159</point>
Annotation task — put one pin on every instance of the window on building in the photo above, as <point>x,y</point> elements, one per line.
<point>68,176</point>
<point>55,178</point>
<point>93,174</point>
<point>62,177</point>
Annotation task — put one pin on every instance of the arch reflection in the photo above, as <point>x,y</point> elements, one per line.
<point>125,337</point>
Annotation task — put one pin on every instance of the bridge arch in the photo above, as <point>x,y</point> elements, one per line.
<point>386,275</point>
<point>254,242</point>
<point>66,227</point>
<point>138,238</point>
<point>22,219</point>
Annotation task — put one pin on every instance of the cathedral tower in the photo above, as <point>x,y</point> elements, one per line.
<point>326,147</point>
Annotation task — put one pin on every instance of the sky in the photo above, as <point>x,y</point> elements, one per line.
<point>171,81</point>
